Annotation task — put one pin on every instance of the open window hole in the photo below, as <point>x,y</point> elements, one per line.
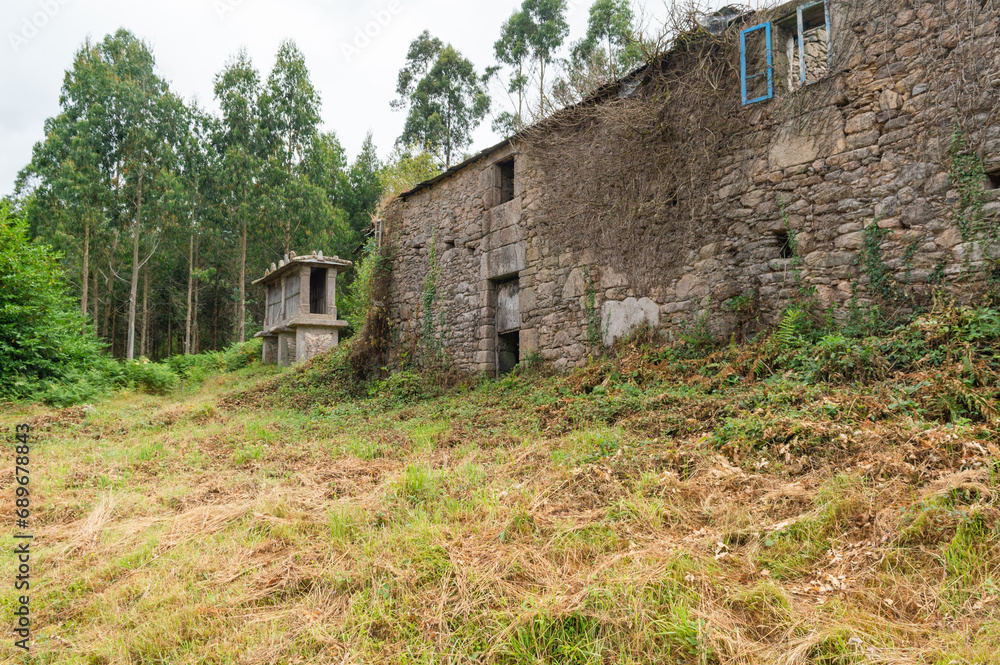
<point>317,291</point>
<point>784,243</point>
<point>993,179</point>
<point>505,181</point>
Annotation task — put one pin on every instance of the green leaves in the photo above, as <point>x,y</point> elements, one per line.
<point>446,103</point>
<point>42,335</point>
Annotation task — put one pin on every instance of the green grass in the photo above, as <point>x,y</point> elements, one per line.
<point>649,508</point>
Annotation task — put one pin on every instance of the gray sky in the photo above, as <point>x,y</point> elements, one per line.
<point>355,72</point>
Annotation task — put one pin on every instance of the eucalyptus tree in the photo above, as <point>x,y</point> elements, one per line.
<point>70,175</point>
<point>145,131</point>
<point>446,105</point>
<point>422,126</point>
<point>290,117</point>
<point>546,30</point>
<point>513,50</point>
<point>197,188</point>
<point>104,155</point>
<point>420,57</point>
<point>242,149</point>
<point>610,46</point>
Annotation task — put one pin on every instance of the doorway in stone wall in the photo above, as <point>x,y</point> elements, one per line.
<point>508,325</point>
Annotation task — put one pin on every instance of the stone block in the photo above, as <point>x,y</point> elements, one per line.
<point>622,317</point>
<point>505,261</point>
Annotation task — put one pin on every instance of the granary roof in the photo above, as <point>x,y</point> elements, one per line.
<point>316,260</point>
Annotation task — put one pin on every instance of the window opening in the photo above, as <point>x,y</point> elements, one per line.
<point>993,179</point>
<point>505,181</point>
<point>814,53</point>
<point>756,64</point>
<point>317,291</point>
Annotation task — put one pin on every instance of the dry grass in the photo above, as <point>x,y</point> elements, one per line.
<point>524,521</point>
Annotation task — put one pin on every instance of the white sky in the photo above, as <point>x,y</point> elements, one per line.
<point>192,39</point>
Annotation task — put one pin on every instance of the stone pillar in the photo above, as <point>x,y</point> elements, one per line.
<point>270,354</point>
<point>331,291</point>
<point>304,290</point>
<point>286,349</point>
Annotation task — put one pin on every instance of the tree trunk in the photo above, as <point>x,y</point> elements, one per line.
<point>84,301</point>
<point>109,328</point>
<point>541,86</point>
<point>189,318</point>
<point>97,300</point>
<point>242,323</point>
<point>144,340</point>
<point>215,314</point>
<point>134,289</point>
<point>195,341</point>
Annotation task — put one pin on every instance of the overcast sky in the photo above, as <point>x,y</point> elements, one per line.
<point>191,39</point>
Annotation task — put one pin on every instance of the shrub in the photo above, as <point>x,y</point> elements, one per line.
<point>837,358</point>
<point>242,355</point>
<point>43,337</point>
<point>153,378</point>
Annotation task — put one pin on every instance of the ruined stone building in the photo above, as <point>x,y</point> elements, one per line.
<point>746,163</point>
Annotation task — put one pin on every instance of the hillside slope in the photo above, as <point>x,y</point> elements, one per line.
<point>791,501</point>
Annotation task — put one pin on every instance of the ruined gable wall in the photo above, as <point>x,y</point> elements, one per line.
<point>868,142</point>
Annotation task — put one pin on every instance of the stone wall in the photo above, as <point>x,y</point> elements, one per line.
<point>869,143</point>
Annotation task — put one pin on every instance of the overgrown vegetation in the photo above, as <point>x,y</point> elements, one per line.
<point>803,498</point>
<point>47,349</point>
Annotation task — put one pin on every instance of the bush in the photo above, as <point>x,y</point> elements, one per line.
<point>153,378</point>
<point>243,355</point>
<point>44,340</point>
<point>837,358</point>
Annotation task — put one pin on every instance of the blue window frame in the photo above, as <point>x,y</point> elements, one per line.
<point>748,78</point>
<point>802,40</point>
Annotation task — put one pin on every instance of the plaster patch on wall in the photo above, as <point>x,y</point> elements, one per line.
<point>622,317</point>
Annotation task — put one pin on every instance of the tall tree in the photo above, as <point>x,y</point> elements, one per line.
<point>446,106</point>
<point>547,29</point>
<point>70,188</point>
<point>290,108</point>
<point>237,88</point>
<point>117,132</point>
<point>513,50</point>
<point>423,126</point>
<point>420,57</point>
<point>610,43</point>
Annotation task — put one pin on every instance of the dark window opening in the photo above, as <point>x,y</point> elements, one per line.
<point>505,181</point>
<point>317,291</point>
<point>785,250</point>
<point>993,179</point>
<point>508,352</point>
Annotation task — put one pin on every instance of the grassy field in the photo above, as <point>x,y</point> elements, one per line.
<point>646,509</point>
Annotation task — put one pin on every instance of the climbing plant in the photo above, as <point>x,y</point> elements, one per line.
<point>595,332</point>
<point>968,176</point>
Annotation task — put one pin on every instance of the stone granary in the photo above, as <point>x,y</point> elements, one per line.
<point>775,147</point>
<point>300,321</point>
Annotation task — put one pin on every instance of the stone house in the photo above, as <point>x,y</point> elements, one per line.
<point>840,115</point>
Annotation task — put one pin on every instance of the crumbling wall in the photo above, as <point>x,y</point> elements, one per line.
<point>661,206</point>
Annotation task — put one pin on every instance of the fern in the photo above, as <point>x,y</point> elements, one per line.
<point>787,334</point>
